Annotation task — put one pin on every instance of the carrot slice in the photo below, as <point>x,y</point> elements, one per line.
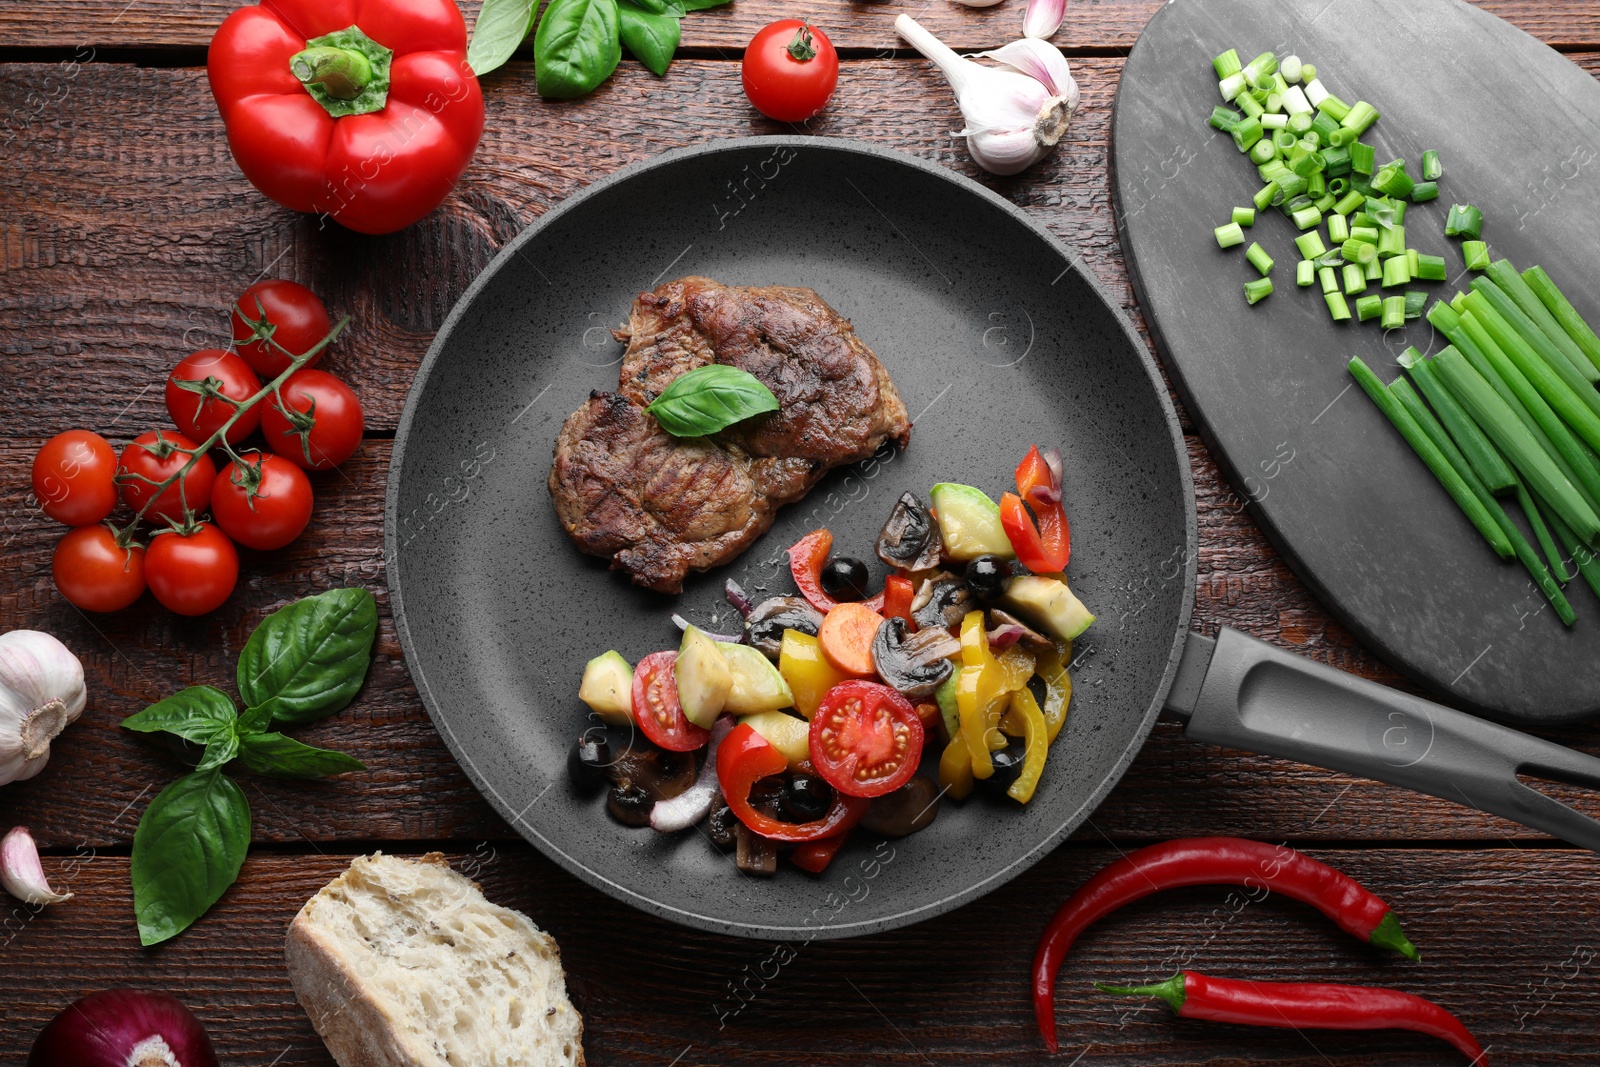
<point>846,637</point>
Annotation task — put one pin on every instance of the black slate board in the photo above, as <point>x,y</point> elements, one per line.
<point>1354,512</point>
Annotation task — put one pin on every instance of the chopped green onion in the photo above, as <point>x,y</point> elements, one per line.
<point>1354,280</point>
<point>1429,268</point>
<point>1323,125</point>
<point>1225,118</point>
<point>1331,258</point>
<point>1416,300</point>
<point>1307,165</point>
<point>1283,140</point>
<point>1265,63</point>
<point>1358,251</point>
<point>1291,185</point>
<point>1263,150</point>
<point>1336,161</point>
<point>1393,182</point>
<point>1325,202</point>
<point>1503,274</point>
<point>1272,121</point>
<point>1316,92</point>
<point>1430,455</point>
<point>1295,103</point>
<point>1247,217</point>
<point>1337,306</point>
<point>1300,123</point>
<point>1257,290</point>
<point>1329,279</point>
<point>1362,156</point>
<point>1502,426</point>
<point>1263,83</point>
<point>1280,85</point>
<point>1559,306</point>
<point>1274,106</point>
<point>1432,170</point>
<point>1306,217</point>
<point>1232,85</point>
<point>1305,273</point>
<point>1395,272</point>
<point>1338,229</point>
<point>1475,254</point>
<point>1229,236</point>
<point>1374,269</point>
<point>1464,220</point>
<point>1251,107</point>
<point>1265,195</point>
<point>1391,242</point>
<point>1349,202</point>
<point>1246,134</point>
<point>1485,462</point>
<point>1360,117</point>
<point>1227,63</point>
<point>1308,72</point>
<point>1310,245</point>
<point>1343,138</point>
<point>1317,186</point>
<point>1258,258</point>
<point>1413,259</point>
<point>1394,312</point>
<point>1424,191</point>
<point>1369,307</point>
<point>1335,109</point>
<point>1289,68</point>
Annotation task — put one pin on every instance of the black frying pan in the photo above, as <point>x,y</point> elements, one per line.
<point>997,338</point>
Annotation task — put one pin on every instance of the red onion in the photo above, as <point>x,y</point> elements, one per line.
<point>728,639</point>
<point>738,598</point>
<point>1004,636</point>
<point>123,1028</point>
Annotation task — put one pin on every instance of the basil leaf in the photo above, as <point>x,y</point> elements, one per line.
<point>576,48</point>
<point>254,720</point>
<point>187,851</point>
<point>200,714</point>
<point>654,7</point>
<point>220,749</point>
<point>701,5</point>
<point>501,26</point>
<point>710,398</point>
<point>284,757</point>
<point>651,37</point>
<point>307,660</point>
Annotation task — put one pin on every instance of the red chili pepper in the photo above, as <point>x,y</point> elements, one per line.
<point>362,110</point>
<point>897,594</point>
<point>814,856</point>
<point>1046,546</point>
<point>1208,861</point>
<point>1306,1005</point>
<point>807,557</point>
<point>743,759</point>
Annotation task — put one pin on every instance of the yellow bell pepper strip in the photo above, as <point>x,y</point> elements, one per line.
<point>955,769</point>
<point>1036,737</point>
<point>809,675</point>
<point>1052,667</point>
<point>1016,666</point>
<point>974,724</point>
<point>980,695</point>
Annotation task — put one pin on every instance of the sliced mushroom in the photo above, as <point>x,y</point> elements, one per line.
<point>905,811</point>
<point>944,600</point>
<point>660,773</point>
<point>1010,630</point>
<point>910,539</point>
<point>764,628</point>
<point>753,853</point>
<point>914,664</point>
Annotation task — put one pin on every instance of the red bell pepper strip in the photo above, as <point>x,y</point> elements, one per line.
<point>744,758</point>
<point>814,856</point>
<point>897,594</point>
<point>807,557</point>
<point>1043,543</point>
<point>1306,1006</point>
<point>364,111</point>
<point>1207,861</point>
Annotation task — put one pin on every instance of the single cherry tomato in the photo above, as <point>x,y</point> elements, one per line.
<point>336,422</point>
<point>96,574</point>
<point>295,319</point>
<point>277,512</point>
<point>192,573</point>
<point>74,478</point>
<point>866,739</point>
<point>139,459</point>
<point>199,417</point>
<point>655,705</point>
<point>790,70</point>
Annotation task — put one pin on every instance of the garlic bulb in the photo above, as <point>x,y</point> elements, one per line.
<point>21,873</point>
<point>1042,18</point>
<point>1015,114</point>
<point>41,692</point>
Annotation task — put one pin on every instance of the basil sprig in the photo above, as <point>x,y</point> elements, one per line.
<point>710,398</point>
<point>579,42</point>
<point>304,662</point>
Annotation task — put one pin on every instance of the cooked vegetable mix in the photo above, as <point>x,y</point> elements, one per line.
<point>819,714</point>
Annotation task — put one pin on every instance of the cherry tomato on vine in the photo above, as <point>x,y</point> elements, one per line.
<point>138,458</point>
<point>192,573</point>
<point>94,572</point>
<point>74,478</point>
<point>296,319</point>
<point>336,427</point>
<point>790,70</point>
<point>199,417</point>
<point>866,739</point>
<point>278,511</point>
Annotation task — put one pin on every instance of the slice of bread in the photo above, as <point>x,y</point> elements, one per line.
<point>401,963</point>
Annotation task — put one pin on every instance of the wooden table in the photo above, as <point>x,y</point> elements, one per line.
<point>126,229</point>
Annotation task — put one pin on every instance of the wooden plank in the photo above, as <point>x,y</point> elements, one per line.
<point>1102,25</point>
<point>414,790</point>
<point>1505,937</point>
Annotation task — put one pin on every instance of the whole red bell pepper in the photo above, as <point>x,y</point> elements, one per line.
<point>363,111</point>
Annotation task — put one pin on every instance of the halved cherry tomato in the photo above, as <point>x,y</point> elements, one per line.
<point>655,705</point>
<point>198,416</point>
<point>74,478</point>
<point>846,637</point>
<point>192,573</point>
<point>866,739</point>
<point>743,759</point>
<point>95,574</point>
<point>139,458</point>
<point>295,319</point>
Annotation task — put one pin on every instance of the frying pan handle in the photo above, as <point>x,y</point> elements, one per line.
<point>1246,694</point>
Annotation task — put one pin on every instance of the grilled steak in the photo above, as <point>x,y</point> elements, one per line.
<point>661,506</point>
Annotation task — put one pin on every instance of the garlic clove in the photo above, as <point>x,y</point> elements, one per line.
<point>1042,18</point>
<point>1041,61</point>
<point>21,873</point>
<point>41,693</point>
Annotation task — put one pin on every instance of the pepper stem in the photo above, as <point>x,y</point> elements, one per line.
<point>342,72</point>
<point>1171,991</point>
<point>1389,935</point>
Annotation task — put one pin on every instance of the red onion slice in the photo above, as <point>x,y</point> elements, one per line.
<point>694,803</point>
<point>732,639</point>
